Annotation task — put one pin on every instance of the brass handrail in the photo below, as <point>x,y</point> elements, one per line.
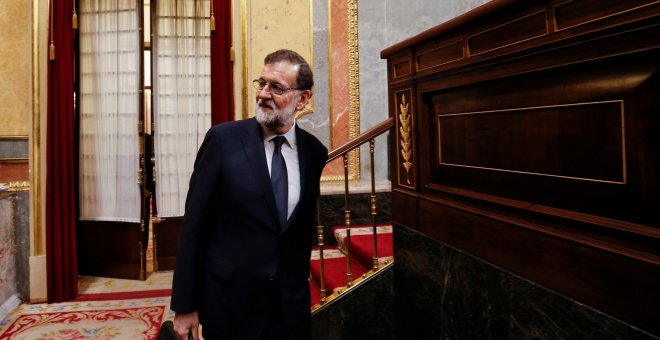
<point>375,131</point>
<point>343,151</point>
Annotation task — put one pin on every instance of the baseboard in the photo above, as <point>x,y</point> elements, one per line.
<point>38,279</point>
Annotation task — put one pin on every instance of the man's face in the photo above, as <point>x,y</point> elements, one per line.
<point>277,112</point>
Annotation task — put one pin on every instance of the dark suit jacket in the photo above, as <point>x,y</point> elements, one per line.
<point>234,257</point>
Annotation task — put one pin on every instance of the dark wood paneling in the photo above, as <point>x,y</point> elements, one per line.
<point>401,67</point>
<point>122,258</point>
<point>510,33</point>
<point>574,13</point>
<point>575,131</point>
<point>166,240</point>
<point>579,140</point>
<point>404,208</point>
<point>439,55</point>
<point>538,151</point>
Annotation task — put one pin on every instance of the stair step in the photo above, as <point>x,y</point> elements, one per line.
<point>335,268</point>
<point>362,242</point>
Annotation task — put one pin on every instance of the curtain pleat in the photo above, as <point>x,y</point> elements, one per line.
<point>182,96</point>
<point>109,110</point>
<point>62,265</point>
<point>222,96</point>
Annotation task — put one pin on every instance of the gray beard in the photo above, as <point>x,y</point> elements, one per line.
<point>276,119</point>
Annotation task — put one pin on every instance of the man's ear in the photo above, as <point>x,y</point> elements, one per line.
<point>305,96</point>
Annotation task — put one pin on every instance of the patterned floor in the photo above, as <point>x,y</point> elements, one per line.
<point>102,318</point>
<point>120,319</point>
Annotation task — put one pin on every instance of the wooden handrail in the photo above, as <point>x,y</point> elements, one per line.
<point>359,140</point>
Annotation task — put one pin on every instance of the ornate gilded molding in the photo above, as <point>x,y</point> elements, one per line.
<point>14,186</point>
<point>404,133</point>
<point>353,87</point>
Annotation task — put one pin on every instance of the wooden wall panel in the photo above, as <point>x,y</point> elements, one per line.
<point>582,141</point>
<point>537,150</point>
<point>513,32</point>
<point>574,13</point>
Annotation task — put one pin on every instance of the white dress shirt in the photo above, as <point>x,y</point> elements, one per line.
<point>290,154</point>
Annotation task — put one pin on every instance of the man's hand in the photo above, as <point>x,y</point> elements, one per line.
<point>183,323</point>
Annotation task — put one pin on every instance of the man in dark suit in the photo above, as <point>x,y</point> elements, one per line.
<point>243,258</point>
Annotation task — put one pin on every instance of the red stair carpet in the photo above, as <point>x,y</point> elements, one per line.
<point>335,257</point>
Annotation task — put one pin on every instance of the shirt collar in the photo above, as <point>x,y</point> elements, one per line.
<point>289,135</point>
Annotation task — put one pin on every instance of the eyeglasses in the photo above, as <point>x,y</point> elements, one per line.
<point>274,88</point>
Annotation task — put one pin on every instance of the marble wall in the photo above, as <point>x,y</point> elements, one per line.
<point>14,245</point>
<point>382,24</point>
<point>443,293</point>
<point>7,249</point>
<point>368,312</point>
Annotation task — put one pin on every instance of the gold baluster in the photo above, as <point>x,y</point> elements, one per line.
<point>319,229</point>
<point>374,211</point>
<point>143,269</point>
<point>347,222</point>
<point>153,221</point>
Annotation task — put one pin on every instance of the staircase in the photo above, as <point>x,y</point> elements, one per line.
<point>333,277</point>
<point>355,252</point>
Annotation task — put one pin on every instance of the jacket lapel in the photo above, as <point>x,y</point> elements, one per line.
<point>254,151</point>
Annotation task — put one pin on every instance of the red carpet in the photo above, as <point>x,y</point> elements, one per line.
<point>361,257</point>
<point>335,269</point>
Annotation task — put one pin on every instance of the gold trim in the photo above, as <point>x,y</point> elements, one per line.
<point>407,117</point>
<point>624,171</point>
<point>334,178</point>
<point>35,150</point>
<point>353,89</point>
<point>143,257</point>
<point>405,142</point>
<point>353,86</point>
<point>14,186</point>
<point>14,138</point>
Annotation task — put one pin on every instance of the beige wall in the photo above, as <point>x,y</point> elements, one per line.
<point>15,67</point>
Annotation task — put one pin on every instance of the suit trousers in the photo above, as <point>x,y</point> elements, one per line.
<point>275,329</point>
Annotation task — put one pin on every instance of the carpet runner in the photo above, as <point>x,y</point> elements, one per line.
<point>362,242</point>
<point>335,262</point>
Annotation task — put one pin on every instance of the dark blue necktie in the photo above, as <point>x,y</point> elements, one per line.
<point>278,178</point>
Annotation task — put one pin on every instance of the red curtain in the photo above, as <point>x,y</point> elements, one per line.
<point>62,264</point>
<point>222,102</point>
